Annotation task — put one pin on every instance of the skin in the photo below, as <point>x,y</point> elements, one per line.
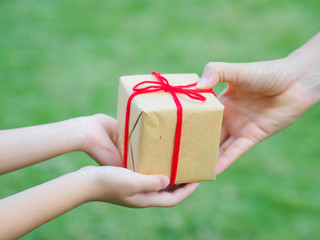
<point>95,135</point>
<point>262,98</point>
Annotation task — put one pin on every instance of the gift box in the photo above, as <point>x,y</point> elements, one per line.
<point>166,126</point>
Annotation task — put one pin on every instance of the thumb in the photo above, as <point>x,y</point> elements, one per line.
<point>151,183</point>
<point>215,72</point>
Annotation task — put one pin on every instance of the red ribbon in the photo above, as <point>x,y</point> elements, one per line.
<point>163,85</point>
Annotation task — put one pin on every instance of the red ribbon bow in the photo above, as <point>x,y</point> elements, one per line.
<point>163,85</point>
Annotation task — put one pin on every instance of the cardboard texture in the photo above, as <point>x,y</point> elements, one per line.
<point>153,119</point>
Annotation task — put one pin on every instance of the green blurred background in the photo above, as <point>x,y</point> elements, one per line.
<point>63,59</point>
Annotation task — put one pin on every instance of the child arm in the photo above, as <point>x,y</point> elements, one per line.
<point>25,211</point>
<point>26,146</point>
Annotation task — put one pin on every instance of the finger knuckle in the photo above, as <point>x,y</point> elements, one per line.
<point>158,183</point>
<point>154,187</point>
<point>101,115</point>
<point>210,65</point>
<point>132,188</point>
<point>213,65</point>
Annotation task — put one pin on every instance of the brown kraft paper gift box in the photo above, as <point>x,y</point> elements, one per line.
<point>152,125</point>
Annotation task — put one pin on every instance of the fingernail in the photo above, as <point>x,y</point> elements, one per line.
<point>202,82</point>
<point>166,181</point>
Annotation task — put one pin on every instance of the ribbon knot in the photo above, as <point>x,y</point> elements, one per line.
<point>163,85</point>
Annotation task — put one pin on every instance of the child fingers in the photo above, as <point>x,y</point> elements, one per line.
<point>150,183</point>
<point>164,198</point>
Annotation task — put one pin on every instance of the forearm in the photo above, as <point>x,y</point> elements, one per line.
<point>25,146</point>
<point>25,211</point>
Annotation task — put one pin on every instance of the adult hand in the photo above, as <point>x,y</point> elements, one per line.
<point>262,98</point>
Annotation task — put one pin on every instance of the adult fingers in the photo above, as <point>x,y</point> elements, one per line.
<point>215,72</point>
<point>232,151</point>
<point>225,145</point>
<point>224,135</point>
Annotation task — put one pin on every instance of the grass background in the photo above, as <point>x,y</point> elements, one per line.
<point>63,59</point>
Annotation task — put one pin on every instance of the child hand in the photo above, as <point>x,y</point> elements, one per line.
<point>99,134</point>
<point>127,188</point>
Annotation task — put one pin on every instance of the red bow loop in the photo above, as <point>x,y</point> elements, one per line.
<point>140,88</point>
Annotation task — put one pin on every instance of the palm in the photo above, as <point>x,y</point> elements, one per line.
<point>249,119</point>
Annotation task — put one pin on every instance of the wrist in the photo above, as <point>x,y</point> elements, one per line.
<point>79,187</point>
<point>72,134</point>
<point>305,66</point>
<point>313,88</point>
<point>80,133</point>
<point>86,135</point>
<point>306,73</point>
<point>88,182</point>
<point>81,130</point>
